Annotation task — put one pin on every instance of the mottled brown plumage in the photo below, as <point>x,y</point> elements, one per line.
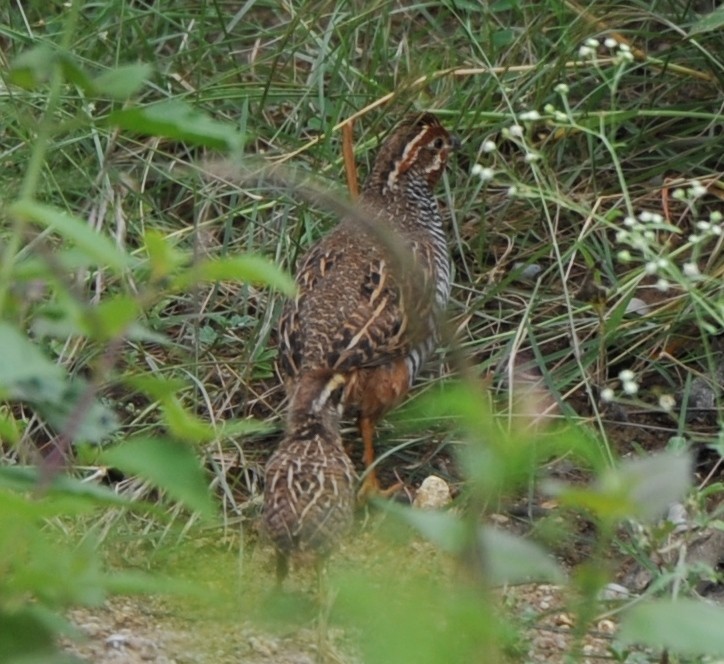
<point>309,489</point>
<point>363,322</point>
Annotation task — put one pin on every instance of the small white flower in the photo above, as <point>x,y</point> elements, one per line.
<point>678,194</point>
<point>624,47</point>
<point>550,109</point>
<point>649,235</point>
<point>476,169</point>
<point>691,269</point>
<point>560,116</point>
<point>639,243</point>
<point>610,42</point>
<point>585,52</point>
<point>562,89</point>
<point>512,190</point>
<point>529,116</point>
<point>592,43</point>
<point>667,402</point>
<point>663,285</point>
<point>703,225</point>
<point>657,218</point>
<point>715,217</point>
<point>489,146</point>
<point>531,157</point>
<point>629,221</point>
<point>626,376</point>
<point>697,190</point>
<point>645,216</point>
<point>624,256</point>
<point>516,131</point>
<point>484,173</point>
<point>629,387</point>
<point>693,238</point>
<point>607,394</point>
<point>651,267</point>
<point>716,229</point>
<point>622,236</point>
<point>662,263</point>
<point>624,56</point>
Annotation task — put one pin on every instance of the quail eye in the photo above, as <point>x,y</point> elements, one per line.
<point>438,143</point>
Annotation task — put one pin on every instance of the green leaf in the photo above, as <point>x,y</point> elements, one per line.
<point>95,245</point>
<point>685,626</point>
<point>183,424</point>
<point>25,479</point>
<point>122,82</point>
<point>114,315</point>
<point>180,121</point>
<point>25,372</point>
<point>98,421</point>
<point>25,634</point>
<point>32,67</point>
<point>443,529</point>
<point>246,269</point>
<point>642,488</point>
<point>712,21</point>
<point>162,254</point>
<point>512,559</point>
<point>169,465</point>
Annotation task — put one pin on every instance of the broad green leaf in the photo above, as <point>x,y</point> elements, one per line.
<point>684,626</point>
<point>26,478</point>
<point>709,22</point>
<point>183,424</point>
<point>35,66</point>
<point>122,82</point>
<point>25,372</point>
<point>32,67</point>
<point>641,488</point>
<point>155,386</point>
<point>512,559</point>
<point>162,254</point>
<point>25,636</point>
<point>114,315</point>
<point>444,529</point>
<point>177,120</point>
<point>98,421</point>
<point>97,246</point>
<point>171,466</point>
<point>9,429</point>
<point>246,269</point>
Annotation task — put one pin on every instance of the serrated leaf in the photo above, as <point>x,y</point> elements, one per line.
<point>512,559</point>
<point>122,82</point>
<point>246,269</point>
<point>709,22</point>
<point>171,466</point>
<point>25,372</point>
<point>96,246</point>
<point>98,421</point>
<point>180,121</point>
<point>684,626</point>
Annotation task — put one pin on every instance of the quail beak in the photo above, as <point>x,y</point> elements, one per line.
<point>455,143</point>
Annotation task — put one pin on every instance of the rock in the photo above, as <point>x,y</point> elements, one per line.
<point>434,493</point>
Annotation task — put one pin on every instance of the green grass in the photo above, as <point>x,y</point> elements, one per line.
<point>542,287</point>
